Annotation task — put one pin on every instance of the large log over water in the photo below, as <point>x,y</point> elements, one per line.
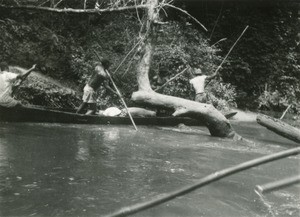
<point>279,127</point>
<point>215,121</point>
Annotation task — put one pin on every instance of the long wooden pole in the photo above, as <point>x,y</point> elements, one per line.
<point>272,186</point>
<point>20,81</point>
<point>223,61</point>
<point>23,78</point>
<point>171,79</point>
<point>283,114</point>
<point>119,93</point>
<point>123,101</point>
<point>126,211</point>
<point>231,49</point>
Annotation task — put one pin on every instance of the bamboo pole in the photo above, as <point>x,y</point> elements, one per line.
<point>123,101</point>
<point>284,113</point>
<point>272,186</point>
<point>119,93</point>
<point>126,211</point>
<point>219,67</point>
<point>171,79</point>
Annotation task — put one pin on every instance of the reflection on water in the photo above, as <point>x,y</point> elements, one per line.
<point>88,170</point>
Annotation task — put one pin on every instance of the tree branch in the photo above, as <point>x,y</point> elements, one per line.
<point>72,10</point>
<point>185,12</point>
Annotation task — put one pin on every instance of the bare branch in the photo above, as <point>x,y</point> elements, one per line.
<point>130,62</point>
<point>137,13</point>
<point>212,32</point>
<point>185,12</point>
<point>128,55</point>
<point>71,10</point>
<point>43,3</point>
<point>84,4</point>
<point>57,3</point>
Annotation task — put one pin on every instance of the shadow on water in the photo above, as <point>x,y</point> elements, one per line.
<point>85,170</point>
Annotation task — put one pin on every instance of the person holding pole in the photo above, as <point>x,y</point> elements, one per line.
<point>198,82</point>
<point>117,92</point>
<point>7,81</point>
<point>98,78</point>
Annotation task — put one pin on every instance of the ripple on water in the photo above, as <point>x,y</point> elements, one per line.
<point>101,168</point>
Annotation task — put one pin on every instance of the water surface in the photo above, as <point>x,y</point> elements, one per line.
<point>89,170</point>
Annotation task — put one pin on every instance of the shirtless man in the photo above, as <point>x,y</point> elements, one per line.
<point>199,82</point>
<point>98,78</point>
<point>7,81</point>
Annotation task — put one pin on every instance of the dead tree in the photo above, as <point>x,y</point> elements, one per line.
<point>216,122</point>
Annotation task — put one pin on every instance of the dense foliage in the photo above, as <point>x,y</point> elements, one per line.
<point>265,65</point>
<point>262,71</point>
<point>63,48</point>
<point>188,48</point>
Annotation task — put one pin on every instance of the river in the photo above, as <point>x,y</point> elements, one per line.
<point>90,170</point>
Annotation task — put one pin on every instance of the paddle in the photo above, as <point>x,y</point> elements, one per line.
<point>118,92</point>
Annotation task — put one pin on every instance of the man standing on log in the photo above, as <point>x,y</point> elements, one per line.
<point>199,82</point>
<point>98,78</point>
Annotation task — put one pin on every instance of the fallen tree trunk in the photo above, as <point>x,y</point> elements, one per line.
<point>279,127</point>
<point>215,121</point>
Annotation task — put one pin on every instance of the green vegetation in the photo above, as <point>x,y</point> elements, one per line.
<point>264,66</point>
<point>262,72</point>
